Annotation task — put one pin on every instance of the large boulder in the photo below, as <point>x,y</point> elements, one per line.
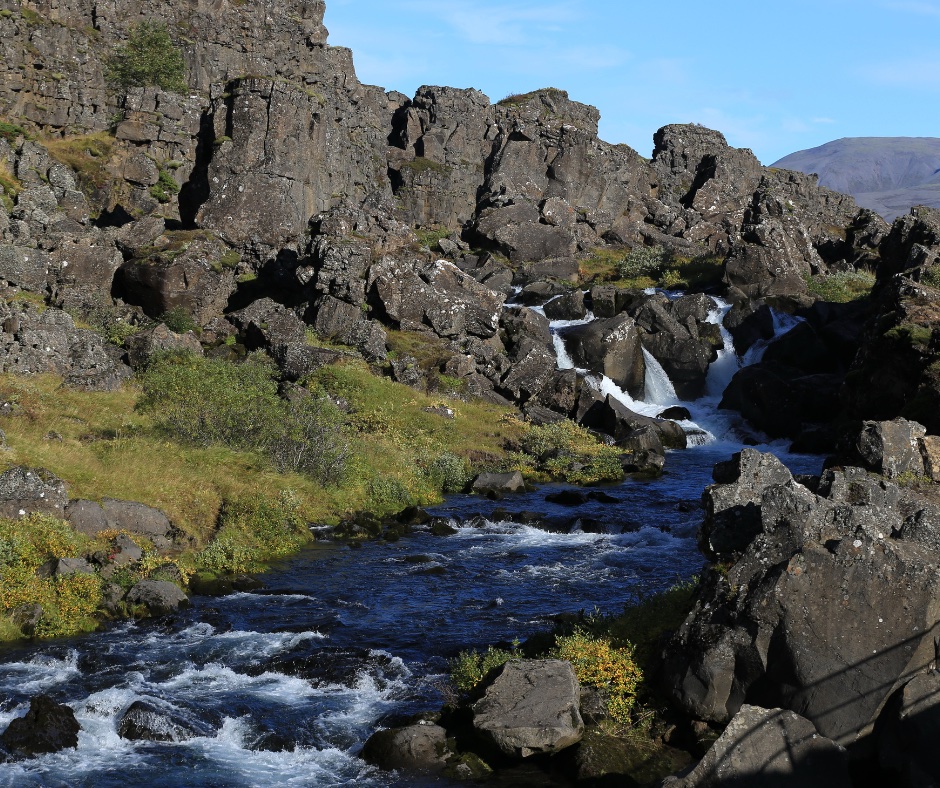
<point>610,347</point>
<point>91,518</point>
<point>159,597</point>
<point>143,721</point>
<point>144,345</point>
<point>892,448</point>
<point>530,707</point>
<point>907,739</point>
<point>769,747</point>
<point>609,415</point>
<point>47,727</point>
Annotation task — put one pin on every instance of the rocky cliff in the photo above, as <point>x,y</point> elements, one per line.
<point>279,175</point>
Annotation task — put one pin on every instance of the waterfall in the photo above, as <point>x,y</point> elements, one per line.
<point>722,369</point>
<point>708,425</point>
<point>659,388</point>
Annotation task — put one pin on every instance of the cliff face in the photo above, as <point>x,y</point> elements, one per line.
<point>276,128</point>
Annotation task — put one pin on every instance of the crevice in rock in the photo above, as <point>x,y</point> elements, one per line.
<point>703,174</point>
<point>196,190</point>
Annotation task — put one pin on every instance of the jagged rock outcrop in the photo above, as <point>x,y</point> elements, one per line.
<point>821,605</point>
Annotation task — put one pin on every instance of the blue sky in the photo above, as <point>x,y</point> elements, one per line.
<point>774,77</point>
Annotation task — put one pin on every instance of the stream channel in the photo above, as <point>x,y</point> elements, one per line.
<point>283,686</point>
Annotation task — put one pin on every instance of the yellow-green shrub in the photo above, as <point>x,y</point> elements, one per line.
<point>599,664</point>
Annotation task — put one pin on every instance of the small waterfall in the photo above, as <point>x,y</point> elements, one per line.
<point>659,388</point>
<point>722,369</point>
<point>556,327</point>
<point>782,324</point>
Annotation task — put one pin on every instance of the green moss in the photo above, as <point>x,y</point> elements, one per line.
<point>165,188</point>
<point>910,334</point>
<point>10,132</point>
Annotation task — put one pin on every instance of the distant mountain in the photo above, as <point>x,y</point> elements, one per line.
<point>886,174</point>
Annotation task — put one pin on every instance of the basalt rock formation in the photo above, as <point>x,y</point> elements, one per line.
<point>820,599</point>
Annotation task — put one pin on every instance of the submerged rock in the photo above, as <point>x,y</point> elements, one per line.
<point>144,722</point>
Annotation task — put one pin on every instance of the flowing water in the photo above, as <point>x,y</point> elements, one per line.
<point>282,687</point>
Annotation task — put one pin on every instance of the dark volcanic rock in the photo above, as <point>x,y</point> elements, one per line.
<point>769,747</point>
<point>803,617</point>
<point>419,747</point>
<point>144,722</point>
<point>24,490</point>
<point>610,347</point>
<point>47,727</point>
<point>158,596</point>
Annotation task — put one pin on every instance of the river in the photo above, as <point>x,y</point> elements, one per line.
<point>283,686</point>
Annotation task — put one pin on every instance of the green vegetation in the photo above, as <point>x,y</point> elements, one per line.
<point>178,320</point>
<point>253,526</point>
<point>650,266</point>
<point>9,186</point>
<point>603,666</point>
<point>517,99</point>
<point>909,334</point>
<point>610,653</point>
<point>429,237</point>
<point>596,662</point>
<point>148,59</point>
<point>210,401</point>
<point>10,131</point>
<point>842,287</point>
<point>69,603</point>
<point>469,668</point>
<point>931,277</point>
<point>421,164</point>
<point>87,155</point>
<point>165,187</point>
<point>564,451</point>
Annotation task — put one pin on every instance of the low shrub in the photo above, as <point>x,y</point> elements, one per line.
<point>599,664</point>
<point>842,287</point>
<point>253,530</point>
<point>469,668</point>
<point>446,471</point>
<point>236,404</point>
<point>643,261</point>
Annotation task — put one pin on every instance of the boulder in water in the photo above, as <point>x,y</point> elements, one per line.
<point>419,747</point>
<point>496,484</point>
<point>159,597</point>
<point>47,727</point>
<point>144,722</point>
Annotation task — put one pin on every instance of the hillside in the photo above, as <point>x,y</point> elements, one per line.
<point>889,175</point>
